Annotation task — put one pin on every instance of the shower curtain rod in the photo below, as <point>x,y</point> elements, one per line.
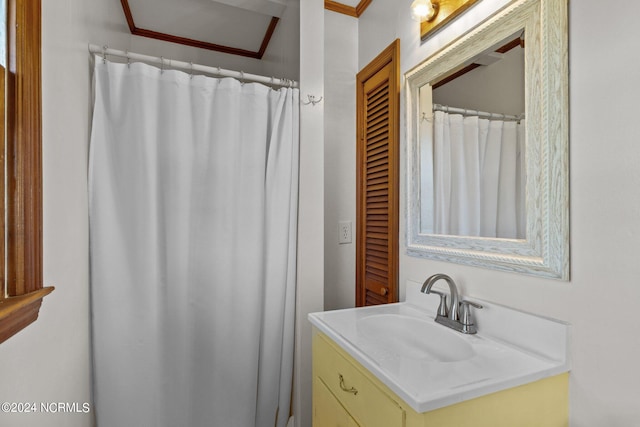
<point>483,114</point>
<point>191,67</point>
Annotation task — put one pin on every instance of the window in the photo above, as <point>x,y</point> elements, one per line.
<point>21,161</point>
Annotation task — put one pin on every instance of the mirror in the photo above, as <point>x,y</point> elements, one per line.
<point>488,173</point>
<point>472,142</point>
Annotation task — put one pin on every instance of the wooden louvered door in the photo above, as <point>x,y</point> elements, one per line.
<point>378,101</point>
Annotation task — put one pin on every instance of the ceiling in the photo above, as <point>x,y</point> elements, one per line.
<point>237,27</point>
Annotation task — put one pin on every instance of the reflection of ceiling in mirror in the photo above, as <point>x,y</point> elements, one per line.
<point>487,57</point>
<point>494,82</point>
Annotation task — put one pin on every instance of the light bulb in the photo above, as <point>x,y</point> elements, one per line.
<point>422,10</point>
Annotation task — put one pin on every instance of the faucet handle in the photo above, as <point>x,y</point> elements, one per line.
<point>465,317</point>
<point>442,308</point>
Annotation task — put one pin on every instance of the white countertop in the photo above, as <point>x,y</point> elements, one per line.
<point>511,348</point>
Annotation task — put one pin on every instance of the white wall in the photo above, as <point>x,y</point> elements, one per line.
<point>341,67</point>
<point>310,278</point>
<point>51,356</point>
<point>56,349</point>
<point>601,299</point>
<point>282,58</point>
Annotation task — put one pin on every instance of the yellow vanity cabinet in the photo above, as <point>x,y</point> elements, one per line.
<point>345,394</point>
<point>327,411</point>
<point>356,394</point>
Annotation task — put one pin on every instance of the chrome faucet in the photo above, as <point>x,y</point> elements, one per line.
<point>457,315</point>
<point>443,310</point>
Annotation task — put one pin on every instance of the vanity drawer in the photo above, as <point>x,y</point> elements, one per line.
<point>368,404</point>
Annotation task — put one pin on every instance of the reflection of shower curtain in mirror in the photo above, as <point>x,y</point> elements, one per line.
<point>479,176</point>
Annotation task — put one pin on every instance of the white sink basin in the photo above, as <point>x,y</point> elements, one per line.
<point>413,338</point>
<point>431,366</point>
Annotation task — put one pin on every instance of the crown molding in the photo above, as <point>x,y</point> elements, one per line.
<point>345,9</point>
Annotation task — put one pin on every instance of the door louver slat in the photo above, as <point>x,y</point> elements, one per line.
<point>380,141</point>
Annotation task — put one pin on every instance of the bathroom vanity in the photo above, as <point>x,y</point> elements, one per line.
<point>393,366</point>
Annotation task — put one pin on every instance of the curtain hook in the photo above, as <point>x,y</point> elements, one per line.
<point>191,75</point>
<point>126,53</point>
<point>161,64</point>
<point>104,53</point>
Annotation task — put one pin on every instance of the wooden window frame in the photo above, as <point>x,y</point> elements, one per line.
<point>21,186</point>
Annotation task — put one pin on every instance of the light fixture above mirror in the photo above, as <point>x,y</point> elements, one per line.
<point>424,10</point>
<point>433,15</point>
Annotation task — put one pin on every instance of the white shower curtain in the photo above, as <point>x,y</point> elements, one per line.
<point>479,176</point>
<point>193,204</point>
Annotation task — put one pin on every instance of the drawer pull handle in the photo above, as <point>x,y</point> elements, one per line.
<point>344,387</point>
